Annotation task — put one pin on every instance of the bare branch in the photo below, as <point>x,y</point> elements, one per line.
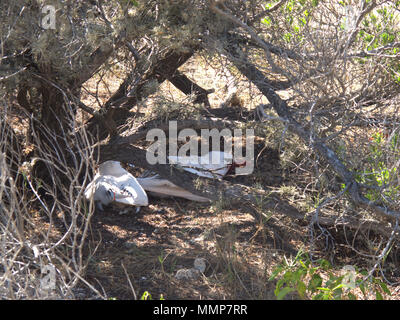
<point>280,106</point>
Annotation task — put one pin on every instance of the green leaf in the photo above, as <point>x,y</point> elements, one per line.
<point>362,288</point>
<point>279,284</point>
<point>287,37</point>
<point>378,295</point>
<point>146,296</point>
<point>311,271</point>
<point>323,289</point>
<point>318,296</point>
<point>314,3</point>
<point>315,282</point>
<point>338,286</point>
<point>267,21</point>
<point>324,264</point>
<point>282,293</point>
<point>302,264</point>
<point>338,294</point>
<point>276,271</point>
<point>364,273</point>
<point>288,276</point>
<point>301,289</point>
<point>351,296</point>
<point>385,288</point>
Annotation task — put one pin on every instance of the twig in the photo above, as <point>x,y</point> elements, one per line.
<point>129,281</point>
<point>384,251</point>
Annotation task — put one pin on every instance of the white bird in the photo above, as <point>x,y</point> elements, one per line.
<point>113,183</point>
<point>160,187</point>
<point>213,165</point>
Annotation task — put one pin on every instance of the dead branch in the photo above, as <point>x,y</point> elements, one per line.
<point>280,106</point>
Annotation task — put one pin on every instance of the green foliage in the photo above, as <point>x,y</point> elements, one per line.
<point>320,282</point>
<point>377,172</point>
<point>298,13</point>
<point>147,296</point>
<point>380,29</point>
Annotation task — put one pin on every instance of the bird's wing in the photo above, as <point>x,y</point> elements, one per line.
<point>213,165</point>
<point>129,191</point>
<point>91,187</point>
<point>208,171</point>
<point>162,187</point>
<point>184,161</point>
<point>89,191</point>
<point>112,168</point>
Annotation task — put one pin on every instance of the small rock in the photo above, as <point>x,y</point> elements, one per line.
<point>200,264</point>
<point>187,274</point>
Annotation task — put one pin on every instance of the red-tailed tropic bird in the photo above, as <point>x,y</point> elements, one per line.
<point>112,183</point>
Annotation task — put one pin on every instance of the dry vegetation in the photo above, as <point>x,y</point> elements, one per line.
<point>317,81</point>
